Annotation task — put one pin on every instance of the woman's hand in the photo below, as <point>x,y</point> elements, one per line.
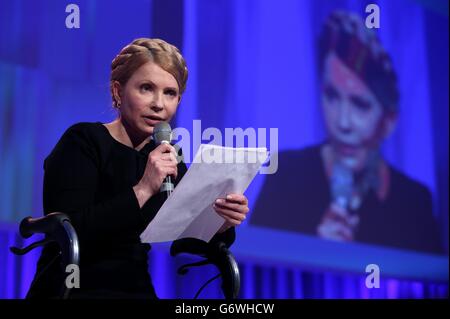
<point>338,224</point>
<point>161,162</point>
<point>233,208</point>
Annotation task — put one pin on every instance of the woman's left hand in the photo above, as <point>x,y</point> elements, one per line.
<point>233,208</point>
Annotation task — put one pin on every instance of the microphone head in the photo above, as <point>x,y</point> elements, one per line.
<point>341,185</point>
<point>162,133</point>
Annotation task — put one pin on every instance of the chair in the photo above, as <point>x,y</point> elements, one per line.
<point>216,254</point>
<point>57,228</point>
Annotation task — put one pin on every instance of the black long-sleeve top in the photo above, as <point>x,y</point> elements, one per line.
<point>90,176</point>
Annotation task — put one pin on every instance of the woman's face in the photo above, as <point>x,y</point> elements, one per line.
<point>355,120</point>
<point>150,96</point>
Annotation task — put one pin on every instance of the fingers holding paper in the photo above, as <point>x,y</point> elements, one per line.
<point>233,208</point>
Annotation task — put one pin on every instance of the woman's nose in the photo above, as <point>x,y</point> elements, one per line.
<point>344,122</point>
<point>157,103</point>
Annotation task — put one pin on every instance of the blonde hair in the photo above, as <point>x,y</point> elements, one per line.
<point>144,50</point>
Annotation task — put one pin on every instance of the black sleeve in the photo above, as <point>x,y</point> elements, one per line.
<point>70,182</point>
<point>426,234</point>
<point>269,204</point>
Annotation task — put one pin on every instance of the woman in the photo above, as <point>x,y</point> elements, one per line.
<point>106,177</point>
<point>344,188</point>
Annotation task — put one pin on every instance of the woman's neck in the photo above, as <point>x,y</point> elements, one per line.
<point>123,133</point>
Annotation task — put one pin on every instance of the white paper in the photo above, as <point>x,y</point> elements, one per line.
<point>215,172</point>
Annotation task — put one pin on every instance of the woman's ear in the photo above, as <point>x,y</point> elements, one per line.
<point>117,92</point>
<point>389,123</point>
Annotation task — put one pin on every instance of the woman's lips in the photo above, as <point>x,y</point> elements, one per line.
<point>152,121</point>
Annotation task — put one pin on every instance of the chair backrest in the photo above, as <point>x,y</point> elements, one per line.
<point>58,228</point>
<point>217,254</point>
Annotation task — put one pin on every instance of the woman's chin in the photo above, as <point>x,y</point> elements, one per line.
<point>352,163</point>
<point>147,129</point>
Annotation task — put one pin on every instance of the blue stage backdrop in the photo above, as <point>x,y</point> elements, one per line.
<point>251,63</point>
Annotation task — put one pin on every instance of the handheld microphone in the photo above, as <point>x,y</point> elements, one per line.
<point>162,134</point>
<point>342,186</point>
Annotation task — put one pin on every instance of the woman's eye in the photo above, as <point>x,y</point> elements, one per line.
<point>331,93</point>
<point>361,103</point>
<point>146,87</point>
<point>171,92</point>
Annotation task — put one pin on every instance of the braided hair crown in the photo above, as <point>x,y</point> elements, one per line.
<point>360,49</point>
<point>144,50</point>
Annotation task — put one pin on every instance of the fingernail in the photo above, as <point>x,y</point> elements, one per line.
<point>229,197</point>
<point>219,201</point>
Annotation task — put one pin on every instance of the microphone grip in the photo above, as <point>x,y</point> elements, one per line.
<point>170,188</point>
<point>167,186</point>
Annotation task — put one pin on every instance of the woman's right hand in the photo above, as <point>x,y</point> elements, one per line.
<point>161,162</point>
<point>337,224</point>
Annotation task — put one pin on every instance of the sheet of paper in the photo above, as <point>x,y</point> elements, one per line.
<point>215,172</point>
